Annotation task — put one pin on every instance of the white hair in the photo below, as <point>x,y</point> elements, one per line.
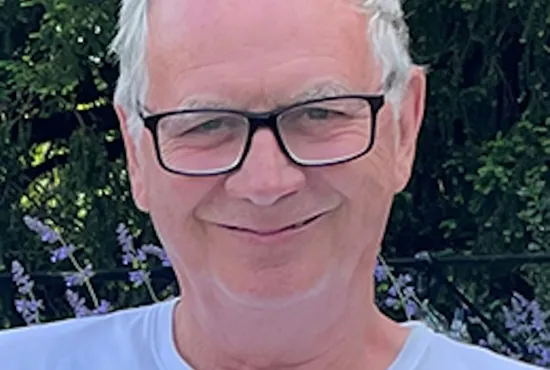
<point>130,45</point>
<point>387,29</point>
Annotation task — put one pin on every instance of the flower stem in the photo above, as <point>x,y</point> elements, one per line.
<point>79,268</point>
<point>151,290</point>
<point>393,280</point>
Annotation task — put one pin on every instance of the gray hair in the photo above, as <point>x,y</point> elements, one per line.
<point>387,29</point>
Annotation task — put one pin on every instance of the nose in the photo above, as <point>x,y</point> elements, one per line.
<point>266,175</point>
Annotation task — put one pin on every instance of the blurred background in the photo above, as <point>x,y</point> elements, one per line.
<point>481,185</point>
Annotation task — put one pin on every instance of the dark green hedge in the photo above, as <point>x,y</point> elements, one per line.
<point>480,183</point>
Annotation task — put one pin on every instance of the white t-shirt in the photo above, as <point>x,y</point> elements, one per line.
<point>141,339</point>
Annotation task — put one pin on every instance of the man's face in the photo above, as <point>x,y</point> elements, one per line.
<point>258,55</point>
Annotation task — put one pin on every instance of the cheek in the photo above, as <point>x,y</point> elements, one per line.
<point>173,203</point>
<point>169,194</point>
<point>173,200</point>
<point>367,179</point>
<point>381,161</point>
<point>368,185</point>
<point>372,175</point>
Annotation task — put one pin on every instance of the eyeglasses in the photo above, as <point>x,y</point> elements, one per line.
<point>321,132</point>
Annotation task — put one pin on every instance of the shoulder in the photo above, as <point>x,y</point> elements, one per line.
<point>471,357</point>
<point>84,343</point>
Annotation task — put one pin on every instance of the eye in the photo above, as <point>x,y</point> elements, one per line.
<point>216,125</point>
<point>211,125</point>
<point>319,113</point>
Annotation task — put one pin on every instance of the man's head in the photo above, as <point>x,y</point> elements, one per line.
<point>221,231</point>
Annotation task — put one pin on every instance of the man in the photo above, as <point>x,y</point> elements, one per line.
<point>267,139</point>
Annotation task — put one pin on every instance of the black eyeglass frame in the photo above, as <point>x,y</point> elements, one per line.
<point>259,120</point>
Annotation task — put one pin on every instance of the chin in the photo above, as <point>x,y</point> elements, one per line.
<point>274,293</point>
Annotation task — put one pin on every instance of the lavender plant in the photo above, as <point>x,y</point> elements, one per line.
<point>524,320</point>
<point>26,304</point>
<point>137,259</point>
<point>526,323</point>
<point>80,277</point>
<point>398,293</point>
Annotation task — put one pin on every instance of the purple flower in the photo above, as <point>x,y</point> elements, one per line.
<point>524,317</point>
<point>138,258</point>
<point>78,278</point>
<point>29,309</point>
<point>46,233</point>
<point>404,279</point>
<point>542,353</point>
<point>380,272</point>
<point>158,252</point>
<point>401,285</point>
<point>140,255</point>
<point>27,305</point>
<point>408,291</point>
<point>483,343</point>
<point>77,303</point>
<point>138,277</point>
<point>103,308</point>
<point>124,238</point>
<point>410,308</point>
<point>21,280</point>
<point>132,256</point>
<point>62,253</point>
<point>544,357</point>
<point>538,317</point>
<point>127,259</point>
<point>126,241</point>
<point>526,323</point>
<point>400,295</point>
<point>391,302</point>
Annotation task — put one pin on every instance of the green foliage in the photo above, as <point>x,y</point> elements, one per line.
<point>480,183</point>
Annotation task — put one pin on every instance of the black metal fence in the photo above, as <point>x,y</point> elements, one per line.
<point>426,263</point>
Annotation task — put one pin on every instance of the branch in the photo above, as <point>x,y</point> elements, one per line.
<point>114,150</point>
<point>62,125</point>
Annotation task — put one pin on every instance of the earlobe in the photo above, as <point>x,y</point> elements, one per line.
<point>410,121</point>
<point>133,165</point>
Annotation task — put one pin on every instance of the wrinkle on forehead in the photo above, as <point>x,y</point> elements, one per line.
<point>246,21</point>
<point>259,52</point>
<point>320,90</point>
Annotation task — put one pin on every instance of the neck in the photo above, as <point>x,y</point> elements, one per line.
<point>337,329</point>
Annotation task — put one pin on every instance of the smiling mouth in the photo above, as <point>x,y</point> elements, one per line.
<point>295,226</point>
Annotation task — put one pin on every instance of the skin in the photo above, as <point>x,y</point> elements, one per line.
<point>254,302</point>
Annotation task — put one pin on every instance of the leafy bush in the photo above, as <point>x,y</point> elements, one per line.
<point>480,182</point>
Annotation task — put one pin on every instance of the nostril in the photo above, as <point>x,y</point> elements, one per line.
<point>265,177</point>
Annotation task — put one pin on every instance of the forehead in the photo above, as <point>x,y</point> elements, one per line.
<point>281,45</point>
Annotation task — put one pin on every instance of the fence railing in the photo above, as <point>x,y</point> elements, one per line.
<point>424,262</point>
<point>416,262</point>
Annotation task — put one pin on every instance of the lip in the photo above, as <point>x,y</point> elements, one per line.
<point>274,235</point>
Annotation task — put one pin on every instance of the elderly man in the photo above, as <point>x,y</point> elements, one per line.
<point>267,139</point>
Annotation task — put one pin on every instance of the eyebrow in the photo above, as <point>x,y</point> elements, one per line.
<point>322,90</point>
<point>202,103</point>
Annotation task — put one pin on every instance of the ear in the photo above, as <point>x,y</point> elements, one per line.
<point>411,114</point>
<point>134,170</point>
